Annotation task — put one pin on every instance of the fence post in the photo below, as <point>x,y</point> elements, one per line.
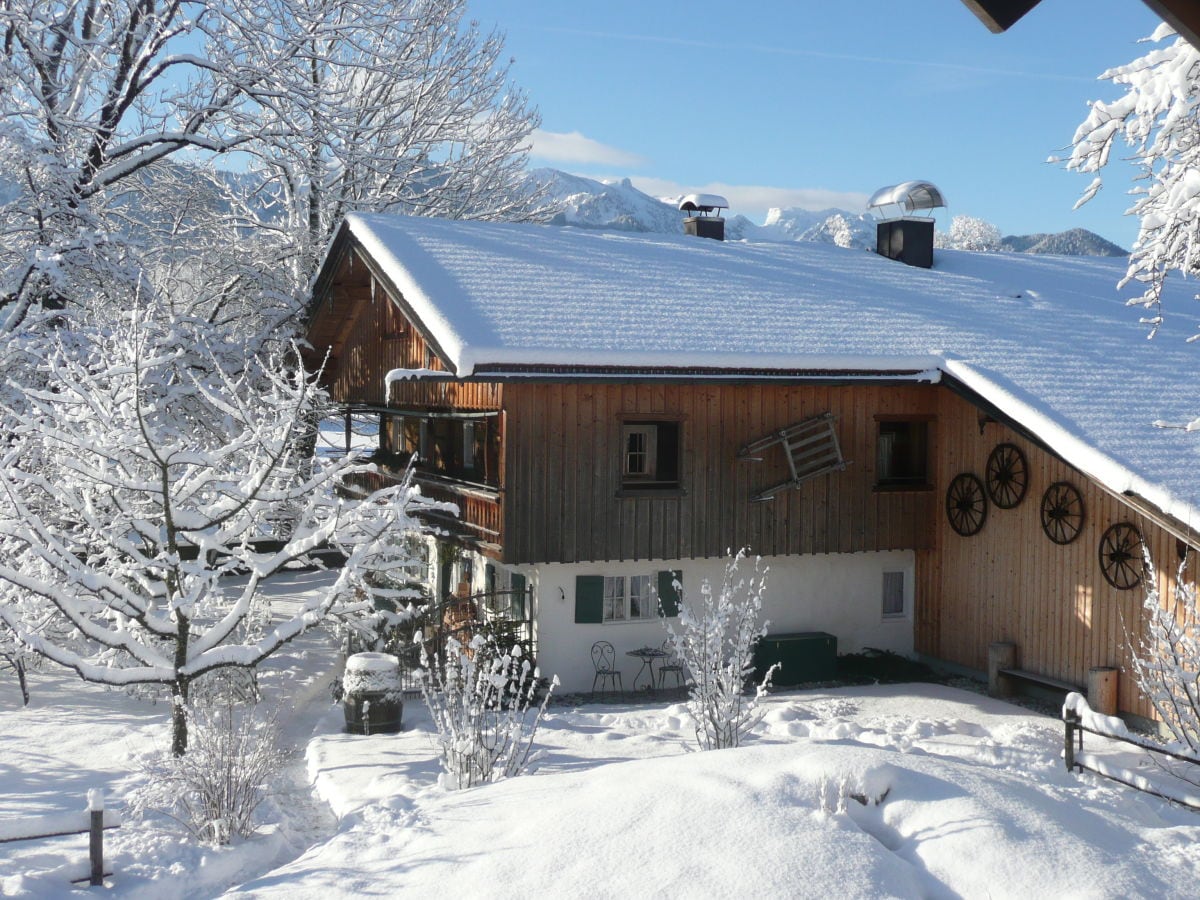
<point>96,835</point>
<point>1071,721</point>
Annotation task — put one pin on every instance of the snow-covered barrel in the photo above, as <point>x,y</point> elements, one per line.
<point>372,694</point>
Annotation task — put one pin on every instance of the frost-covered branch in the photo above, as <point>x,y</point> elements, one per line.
<point>1158,118</point>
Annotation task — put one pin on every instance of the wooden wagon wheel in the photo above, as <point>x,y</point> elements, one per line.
<point>966,504</point>
<point>1062,512</point>
<point>1007,475</point>
<point>1121,557</point>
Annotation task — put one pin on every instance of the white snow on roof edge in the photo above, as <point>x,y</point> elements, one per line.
<point>1074,449</point>
<point>405,277</point>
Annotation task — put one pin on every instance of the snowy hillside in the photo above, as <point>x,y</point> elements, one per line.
<point>619,206</point>
<point>1076,242</point>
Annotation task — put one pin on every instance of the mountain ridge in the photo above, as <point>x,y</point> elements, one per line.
<point>617,205</point>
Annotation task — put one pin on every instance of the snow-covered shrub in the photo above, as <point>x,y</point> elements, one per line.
<point>214,789</point>
<point>715,641</point>
<point>970,233</point>
<point>482,700</point>
<point>1167,665</point>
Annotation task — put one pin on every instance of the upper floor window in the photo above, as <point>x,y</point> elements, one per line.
<point>902,453</point>
<point>650,455</point>
<point>465,448</point>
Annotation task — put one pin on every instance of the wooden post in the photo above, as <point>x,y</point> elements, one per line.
<point>96,836</point>
<point>1070,721</point>
<point>1001,655</point>
<point>1102,689</point>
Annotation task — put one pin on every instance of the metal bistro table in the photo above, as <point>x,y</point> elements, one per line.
<point>647,655</point>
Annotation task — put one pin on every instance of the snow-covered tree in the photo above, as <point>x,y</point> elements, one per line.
<point>141,469</point>
<point>403,106</point>
<point>1158,117</point>
<point>1167,664</point>
<point>715,642</point>
<point>105,107</point>
<point>970,233</point>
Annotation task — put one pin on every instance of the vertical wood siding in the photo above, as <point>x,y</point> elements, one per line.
<point>1012,583</point>
<point>564,453</point>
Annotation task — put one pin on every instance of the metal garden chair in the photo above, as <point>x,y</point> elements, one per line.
<point>671,664</point>
<point>604,659</point>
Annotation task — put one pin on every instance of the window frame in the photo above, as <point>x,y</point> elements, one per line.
<point>662,476</point>
<point>626,598</point>
<point>918,481</point>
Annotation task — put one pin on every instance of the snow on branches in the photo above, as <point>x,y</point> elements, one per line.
<point>716,641</point>
<point>117,121</point>
<point>1158,116</point>
<point>139,472</point>
<point>1167,665</point>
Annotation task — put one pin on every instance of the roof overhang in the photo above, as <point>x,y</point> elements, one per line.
<point>1000,15</point>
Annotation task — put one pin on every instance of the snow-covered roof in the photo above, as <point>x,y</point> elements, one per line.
<point>1047,340</point>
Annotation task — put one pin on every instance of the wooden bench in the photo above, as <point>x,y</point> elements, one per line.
<point>1100,690</point>
<point>1045,681</point>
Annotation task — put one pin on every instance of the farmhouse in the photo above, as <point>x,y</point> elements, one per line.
<point>929,460</point>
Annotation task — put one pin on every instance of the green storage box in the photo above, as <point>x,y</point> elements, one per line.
<point>803,656</point>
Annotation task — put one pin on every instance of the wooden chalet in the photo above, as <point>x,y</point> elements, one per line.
<point>930,461</point>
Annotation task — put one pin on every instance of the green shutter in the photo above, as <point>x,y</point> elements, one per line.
<point>668,593</point>
<point>518,595</point>
<point>589,599</point>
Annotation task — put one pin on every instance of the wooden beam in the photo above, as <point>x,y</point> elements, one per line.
<point>1182,15</point>
<point>999,15</point>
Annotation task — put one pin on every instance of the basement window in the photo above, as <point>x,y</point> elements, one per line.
<point>902,454</point>
<point>650,455</point>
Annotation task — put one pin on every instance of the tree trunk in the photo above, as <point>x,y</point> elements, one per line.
<point>179,689</point>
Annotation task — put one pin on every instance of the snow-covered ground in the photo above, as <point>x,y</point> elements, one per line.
<point>964,796</point>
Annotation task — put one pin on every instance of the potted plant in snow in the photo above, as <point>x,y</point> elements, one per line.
<point>371,694</point>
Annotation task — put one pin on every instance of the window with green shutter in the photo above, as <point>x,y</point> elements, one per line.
<point>669,593</point>
<point>589,599</point>
<point>626,598</point>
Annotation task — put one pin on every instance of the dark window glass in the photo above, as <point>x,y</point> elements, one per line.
<point>650,455</point>
<point>902,453</point>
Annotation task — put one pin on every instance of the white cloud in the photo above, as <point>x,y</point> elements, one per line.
<point>753,200</point>
<point>573,147</point>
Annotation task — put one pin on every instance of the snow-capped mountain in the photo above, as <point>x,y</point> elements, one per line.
<point>618,205</point>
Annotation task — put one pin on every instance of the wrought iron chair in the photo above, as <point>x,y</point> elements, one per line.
<point>604,659</point>
<point>671,664</point>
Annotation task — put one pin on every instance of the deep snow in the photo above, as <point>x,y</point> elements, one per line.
<point>964,796</point>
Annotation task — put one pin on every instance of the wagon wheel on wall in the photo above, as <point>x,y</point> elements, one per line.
<point>1121,556</point>
<point>1062,512</point>
<point>1007,475</point>
<point>966,504</point>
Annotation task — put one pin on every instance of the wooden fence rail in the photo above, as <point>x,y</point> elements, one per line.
<point>93,821</point>
<point>1073,751</point>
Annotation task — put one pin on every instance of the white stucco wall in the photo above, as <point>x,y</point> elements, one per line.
<point>838,593</point>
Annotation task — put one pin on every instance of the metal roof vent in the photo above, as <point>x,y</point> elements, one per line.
<point>902,232</point>
<point>701,220</point>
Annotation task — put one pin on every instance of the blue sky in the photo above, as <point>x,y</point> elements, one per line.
<point>814,103</point>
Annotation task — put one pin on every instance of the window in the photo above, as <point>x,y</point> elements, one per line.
<point>626,598</point>
<point>650,455</point>
<point>893,595</point>
<point>902,454</point>
<point>468,449</point>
